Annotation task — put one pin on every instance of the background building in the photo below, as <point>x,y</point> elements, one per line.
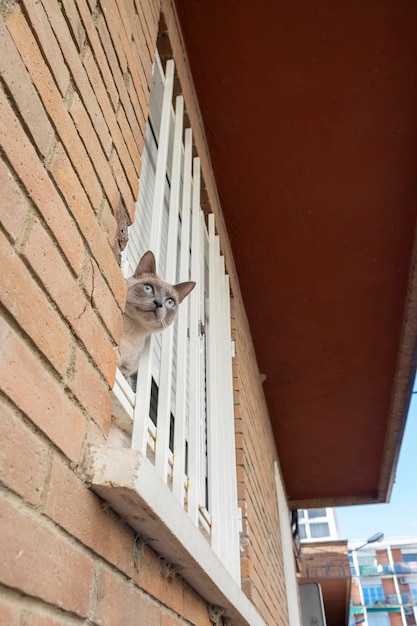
<point>316,524</point>
<point>384,583</point>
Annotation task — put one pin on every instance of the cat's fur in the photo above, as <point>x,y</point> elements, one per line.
<point>151,306</point>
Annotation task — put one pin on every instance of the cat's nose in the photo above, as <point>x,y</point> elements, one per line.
<point>157,303</point>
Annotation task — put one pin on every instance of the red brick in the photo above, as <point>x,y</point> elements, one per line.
<point>195,609</point>
<point>24,458</point>
<point>14,207</point>
<point>53,102</point>
<point>136,71</point>
<point>122,183</point>
<point>24,94</point>
<point>108,224</point>
<point>150,579</point>
<point>49,44</point>
<point>38,185</point>
<point>154,12</point>
<point>113,25</point>
<point>133,114</point>
<point>142,59</point>
<point>148,37</point>
<point>65,177</point>
<point>116,9</point>
<point>44,257</point>
<point>41,618</point>
<point>87,521</point>
<point>119,79</point>
<point>9,613</point>
<point>99,53</point>
<point>118,34</point>
<point>140,101</point>
<point>73,18</point>
<point>21,296</point>
<point>80,78</point>
<point>130,141</point>
<point>118,139</point>
<point>38,394</point>
<point>97,343</point>
<point>171,620</point>
<point>126,18</point>
<point>91,391</point>
<point>103,300</point>
<point>54,274</point>
<point>140,114</point>
<point>118,602</point>
<point>39,561</point>
<point>87,133</point>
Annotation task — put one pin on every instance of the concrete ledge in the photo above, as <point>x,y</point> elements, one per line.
<point>130,484</point>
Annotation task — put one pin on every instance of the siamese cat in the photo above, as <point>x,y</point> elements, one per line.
<point>151,306</point>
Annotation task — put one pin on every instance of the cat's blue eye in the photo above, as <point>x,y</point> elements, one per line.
<point>170,302</point>
<point>148,288</point>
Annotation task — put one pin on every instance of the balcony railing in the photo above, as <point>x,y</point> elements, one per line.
<point>391,600</point>
<point>378,569</point>
<point>328,571</point>
<point>406,568</point>
<point>375,570</point>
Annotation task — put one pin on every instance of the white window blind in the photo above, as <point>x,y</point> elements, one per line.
<point>181,416</point>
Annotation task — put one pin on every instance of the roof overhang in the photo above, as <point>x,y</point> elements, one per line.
<point>310,114</point>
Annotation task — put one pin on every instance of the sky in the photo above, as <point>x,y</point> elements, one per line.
<point>398,518</point>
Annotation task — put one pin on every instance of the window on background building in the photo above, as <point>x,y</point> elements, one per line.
<point>319,523</point>
<point>320,529</point>
<point>382,619</point>
<point>366,559</point>
<point>373,594</point>
<point>302,531</point>
<point>313,513</point>
<point>352,565</point>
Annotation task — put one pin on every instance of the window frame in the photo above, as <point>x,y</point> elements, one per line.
<point>206,546</point>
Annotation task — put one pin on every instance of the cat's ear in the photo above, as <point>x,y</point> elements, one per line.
<point>146,265</point>
<point>183,289</point>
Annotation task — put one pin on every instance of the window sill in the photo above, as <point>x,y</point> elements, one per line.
<point>129,483</point>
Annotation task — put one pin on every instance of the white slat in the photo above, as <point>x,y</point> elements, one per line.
<point>213,395</point>
<point>140,429</point>
<point>195,383</point>
<point>165,379</point>
<point>182,331</point>
<point>161,163</point>
<point>232,520</point>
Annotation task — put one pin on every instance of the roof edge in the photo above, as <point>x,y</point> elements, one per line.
<point>402,387</point>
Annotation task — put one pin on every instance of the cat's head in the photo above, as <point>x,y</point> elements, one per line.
<point>151,300</point>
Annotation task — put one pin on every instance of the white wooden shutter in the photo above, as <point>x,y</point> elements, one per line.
<point>185,372</point>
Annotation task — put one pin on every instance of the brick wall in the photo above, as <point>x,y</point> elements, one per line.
<point>75,80</point>
<point>262,566</point>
